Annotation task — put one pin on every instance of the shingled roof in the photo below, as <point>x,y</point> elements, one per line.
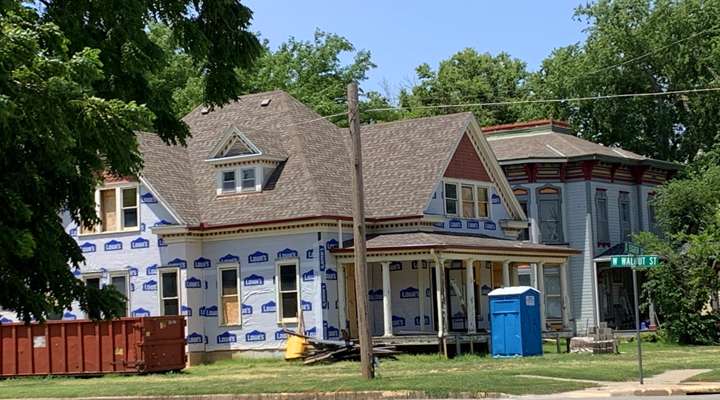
<point>553,140</point>
<point>402,163</point>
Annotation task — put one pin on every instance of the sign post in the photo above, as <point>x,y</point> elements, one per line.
<point>635,262</point>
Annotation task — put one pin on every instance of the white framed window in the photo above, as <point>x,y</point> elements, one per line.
<point>119,280</point>
<point>117,208</point>
<point>229,295</point>
<point>288,290</point>
<point>483,204</point>
<point>92,280</point>
<point>451,199</point>
<point>169,291</point>
<point>467,200</point>
<point>553,292</point>
<point>228,181</point>
<point>247,180</point>
<point>652,221</point>
<point>624,211</point>
<point>603,224</point>
<point>550,215</point>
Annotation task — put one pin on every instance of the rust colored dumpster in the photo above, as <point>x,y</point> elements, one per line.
<point>83,347</point>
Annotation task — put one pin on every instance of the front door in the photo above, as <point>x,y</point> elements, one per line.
<point>350,299</point>
<point>456,302</point>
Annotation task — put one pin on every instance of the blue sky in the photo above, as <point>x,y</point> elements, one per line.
<point>403,34</point>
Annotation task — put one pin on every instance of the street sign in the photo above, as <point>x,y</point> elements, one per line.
<point>633,249</point>
<point>634,261</point>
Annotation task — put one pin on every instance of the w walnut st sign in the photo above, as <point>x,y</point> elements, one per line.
<point>634,261</point>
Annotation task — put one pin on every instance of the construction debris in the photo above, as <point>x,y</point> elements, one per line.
<point>318,350</point>
<point>600,340</point>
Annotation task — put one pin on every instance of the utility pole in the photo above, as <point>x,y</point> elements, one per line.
<point>358,202</point>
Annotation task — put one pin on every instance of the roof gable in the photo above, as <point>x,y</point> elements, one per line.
<point>466,164</point>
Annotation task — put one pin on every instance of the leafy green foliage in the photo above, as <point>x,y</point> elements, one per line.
<point>686,286</point>
<point>73,76</point>
<point>639,46</point>
<point>469,77</point>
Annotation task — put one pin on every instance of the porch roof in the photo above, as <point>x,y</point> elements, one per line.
<point>447,241</point>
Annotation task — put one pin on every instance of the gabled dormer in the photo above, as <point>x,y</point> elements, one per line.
<point>242,164</point>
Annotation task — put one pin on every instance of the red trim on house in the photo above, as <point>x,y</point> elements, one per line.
<point>531,172</point>
<point>587,168</point>
<point>205,227</point>
<point>524,125</point>
<point>638,172</point>
<point>568,251</point>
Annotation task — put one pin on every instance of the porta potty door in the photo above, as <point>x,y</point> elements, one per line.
<point>505,323</point>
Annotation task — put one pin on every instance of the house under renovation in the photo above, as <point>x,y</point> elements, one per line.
<point>248,231</point>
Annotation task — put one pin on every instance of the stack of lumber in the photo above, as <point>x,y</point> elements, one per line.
<point>318,350</point>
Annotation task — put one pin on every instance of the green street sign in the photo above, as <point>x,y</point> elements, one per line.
<point>634,261</point>
<point>633,249</point>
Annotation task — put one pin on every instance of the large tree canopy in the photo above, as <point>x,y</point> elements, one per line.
<point>639,46</point>
<point>468,77</point>
<point>75,86</point>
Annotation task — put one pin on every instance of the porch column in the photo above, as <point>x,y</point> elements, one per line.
<point>440,294</point>
<point>596,295</point>
<point>421,294</point>
<point>387,299</point>
<point>565,296</point>
<point>541,288</point>
<point>506,273</point>
<point>470,294</point>
<point>342,318</point>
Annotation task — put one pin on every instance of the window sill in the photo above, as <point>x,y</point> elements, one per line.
<point>230,326</point>
<point>288,321</point>
<point>107,233</point>
<point>237,194</point>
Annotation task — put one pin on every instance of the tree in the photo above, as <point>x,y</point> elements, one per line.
<point>688,280</point>
<point>69,114</point>
<point>469,77</point>
<point>639,46</point>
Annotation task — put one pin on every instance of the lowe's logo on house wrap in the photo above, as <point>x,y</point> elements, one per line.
<point>308,276</point>
<point>395,266</point>
<point>246,309</point>
<point>178,262</point>
<point>323,296</point>
<point>321,254</point>
<point>140,243</point>
<point>330,331</point>
<point>331,274</point>
<point>149,286</point>
<point>229,258</point>
<point>87,247</point>
<point>253,280</point>
<point>417,320</point>
<point>202,263</point>
<point>268,307</point>
<point>495,199</point>
<point>148,198</point>
<point>311,332</point>
<point>151,270</point>
<point>211,311</point>
<point>142,227</point>
<point>309,254</point>
<point>257,257</point>
<point>163,222</point>
<point>409,293</point>
<point>255,336</point>
<point>287,253</point>
<point>77,273</point>
<point>305,305</point>
<point>331,244</point>
<point>226,337</point>
<point>489,226</point>
<point>73,232</point>
<point>397,321</point>
<point>194,338</point>
<point>439,224</point>
<point>69,316</point>
<point>186,311</point>
<point>132,287</point>
<point>193,283</point>
<point>375,295</point>
<point>455,224</point>
<point>281,335</point>
<point>140,312</point>
<point>4,320</point>
<point>161,243</point>
<point>473,224</point>
<point>132,271</point>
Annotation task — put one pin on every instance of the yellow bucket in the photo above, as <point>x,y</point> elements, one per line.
<point>295,347</point>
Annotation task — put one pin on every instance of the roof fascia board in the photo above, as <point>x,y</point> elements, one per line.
<point>491,136</point>
<point>231,131</point>
<point>162,201</point>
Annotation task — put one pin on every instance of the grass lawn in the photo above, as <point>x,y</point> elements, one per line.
<point>712,376</point>
<point>430,373</point>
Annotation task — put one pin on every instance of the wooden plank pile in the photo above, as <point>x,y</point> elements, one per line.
<point>318,350</point>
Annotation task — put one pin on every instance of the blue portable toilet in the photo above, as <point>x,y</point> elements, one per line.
<point>515,322</point>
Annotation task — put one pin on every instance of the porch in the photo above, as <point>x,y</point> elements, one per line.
<point>431,288</point>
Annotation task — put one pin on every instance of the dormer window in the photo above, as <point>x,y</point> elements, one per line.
<point>228,181</point>
<point>248,179</point>
<point>241,179</point>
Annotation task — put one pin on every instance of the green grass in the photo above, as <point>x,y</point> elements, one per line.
<point>712,376</point>
<point>430,373</point>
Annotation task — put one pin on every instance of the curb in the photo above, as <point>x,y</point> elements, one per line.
<point>360,395</point>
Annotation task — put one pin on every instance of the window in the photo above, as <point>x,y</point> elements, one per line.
<point>483,204</point>
<point>288,294</point>
<point>652,222</point>
<point>93,282</point>
<point>247,179</point>
<point>451,199</point>
<point>550,210</point>
<point>119,282</point>
<point>601,210</point>
<point>468,201</point>
<point>169,293</point>
<point>522,196</point>
<point>553,293</point>
<point>228,181</point>
<point>229,296</point>
<point>117,208</point>
<point>624,210</point>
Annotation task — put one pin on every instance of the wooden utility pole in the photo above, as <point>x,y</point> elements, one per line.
<point>358,202</point>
